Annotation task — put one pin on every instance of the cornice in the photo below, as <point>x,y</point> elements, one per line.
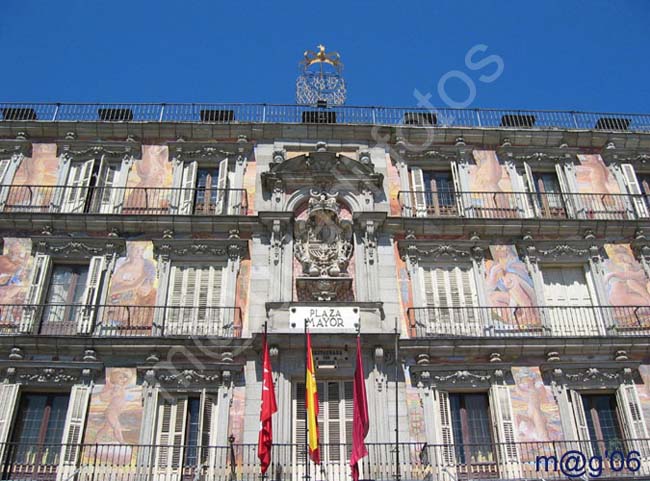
<point>49,372</point>
<point>639,158</point>
<point>537,156</point>
<point>201,249</point>
<point>443,154</point>
<point>480,375</point>
<point>10,148</point>
<point>590,375</point>
<point>183,151</point>
<point>85,150</point>
<point>429,250</point>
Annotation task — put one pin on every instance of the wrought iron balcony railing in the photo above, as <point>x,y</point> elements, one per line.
<point>123,200</point>
<point>109,320</point>
<point>534,321</point>
<point>275,113</point>
<point>385,461</point>
<point>522,205</point>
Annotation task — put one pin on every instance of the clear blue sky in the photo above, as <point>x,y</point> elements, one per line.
<point>570,55</point>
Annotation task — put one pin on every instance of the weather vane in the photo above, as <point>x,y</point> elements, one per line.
<point>320,80</point>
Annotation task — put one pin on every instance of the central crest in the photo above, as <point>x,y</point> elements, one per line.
<point>323,246</point>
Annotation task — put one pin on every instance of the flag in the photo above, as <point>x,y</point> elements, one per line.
<point>360,421</point>
<point>267,408</point>
<point>311,404</point>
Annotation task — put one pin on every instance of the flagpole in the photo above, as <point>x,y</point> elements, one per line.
<point>264,348</point>
<point>307,473</point>
<point>398,475</point>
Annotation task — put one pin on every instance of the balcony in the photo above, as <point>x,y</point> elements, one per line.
<point>239,462</point>
<point>526,322</point>
<point>125,200</point>
<point>119,321</point>
<point>522,205</point>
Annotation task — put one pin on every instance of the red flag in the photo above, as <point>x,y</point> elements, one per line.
<point>311,404</point>
<point>360,420</point>
<point>267,409</point>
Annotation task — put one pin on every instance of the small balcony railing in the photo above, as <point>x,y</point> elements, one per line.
<point>124,200</point>
<point>385,461</point>
<point>523,205</point>
<point>109,320</point>
<point>534,321</point>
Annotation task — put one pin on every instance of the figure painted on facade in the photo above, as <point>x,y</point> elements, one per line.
<point>14,271</point>
<point>149,182</point>
<point>40,169</point>
<point>593,176</point>
<point>510,288</point>
<point>489,183</point>
<point>626,284</point>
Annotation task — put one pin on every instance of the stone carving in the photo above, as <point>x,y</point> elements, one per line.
<point>188,377</point>
<point>324,240</point>
<point>78,248</point>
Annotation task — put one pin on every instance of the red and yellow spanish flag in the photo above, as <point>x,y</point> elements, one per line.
<point>311,403</point>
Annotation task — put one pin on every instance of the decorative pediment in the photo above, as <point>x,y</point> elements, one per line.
<point>539,157</point>
<point>434,154</point>
<point>185,377</point>
<point>10,148</point>
<point>454,377</point>
<point>74,150</point>
<point>567,251</point>
<point>201,249</point>
<point>324,169</point>
<point>456,251</point>
<point>78,248</point>
<point>591,375</point>
<point>640,158</point>
<point>49,373</point>
<point>182,151</point>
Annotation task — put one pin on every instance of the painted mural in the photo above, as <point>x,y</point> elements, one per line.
<point>487,175</point>
<point>509,289</point>
<point>627,286</point>
<point>134,283</point>
<point>236,417</point>
<point>593,176</point>
<point>15,271</point>
<point>241,294</point>
<point>41,169</point>
<point>393,186</point>
<point>153,171</point>
<point>115,418</point>
<point>404,288</point>
<point>417,430</point>
<point>537,415</point>
<point>250,186</point>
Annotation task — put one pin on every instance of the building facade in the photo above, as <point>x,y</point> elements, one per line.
<point>147,248</point>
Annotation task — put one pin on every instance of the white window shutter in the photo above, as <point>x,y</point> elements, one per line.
<point>634,190</point>
<point>8,400</point>
<point>503,423</point>
<point>532,189</point>
<point>419,194</point>
<point>222,186</point>
<point>633,421</point>
<point>208,454</point>
<point>445,431</point>
<point>5,183</point>
<point>90,298</point>
<point>570,201</point>
<point>37,286</point>
<point>188,186</point>
<point>107,188</point>
<point>458,190</point>
<point>174,301</point>
<point>170,436</point>
<point>73,430</point>
<point>580,422</point>
<point>76,189</point>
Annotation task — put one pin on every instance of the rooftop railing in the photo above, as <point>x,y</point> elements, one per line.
<point>522,205</point>
<point>296,114</point>
<point>417,461</point>
<point>124,200</point>
<point>109,320</point>
<point>533,321</point>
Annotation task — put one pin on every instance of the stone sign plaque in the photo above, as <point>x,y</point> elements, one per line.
<point>324,319</point>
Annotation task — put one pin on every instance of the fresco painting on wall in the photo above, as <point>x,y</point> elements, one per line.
<point>644,392</point>
<point>15,269</point>
<point>148,185</point>
<point>249,185</point>
<point>627,286</point>
<point>134,283</point>
<point>537,416</point>
<point>593,176</point>
<point>393,186</point>
<point>41,169</point>
<point>114,418</point>
<point>509,290</point>
<point>489,184</point>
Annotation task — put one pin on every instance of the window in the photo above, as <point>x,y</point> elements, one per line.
<point>203,188</point>
<point>569,300</point>
<point>108,188</point>
<point>77,185</point>
<point>334,425</point>
<point>610,421</point>
<point>39,426</point>
<point>66,294</point>
<point>194,300</point>
<point>451,299</point>
<point>470,417</point>
<point>434,193</point>
<point>185,433</point>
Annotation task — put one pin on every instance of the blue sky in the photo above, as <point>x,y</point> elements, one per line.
<point>569,55</point>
